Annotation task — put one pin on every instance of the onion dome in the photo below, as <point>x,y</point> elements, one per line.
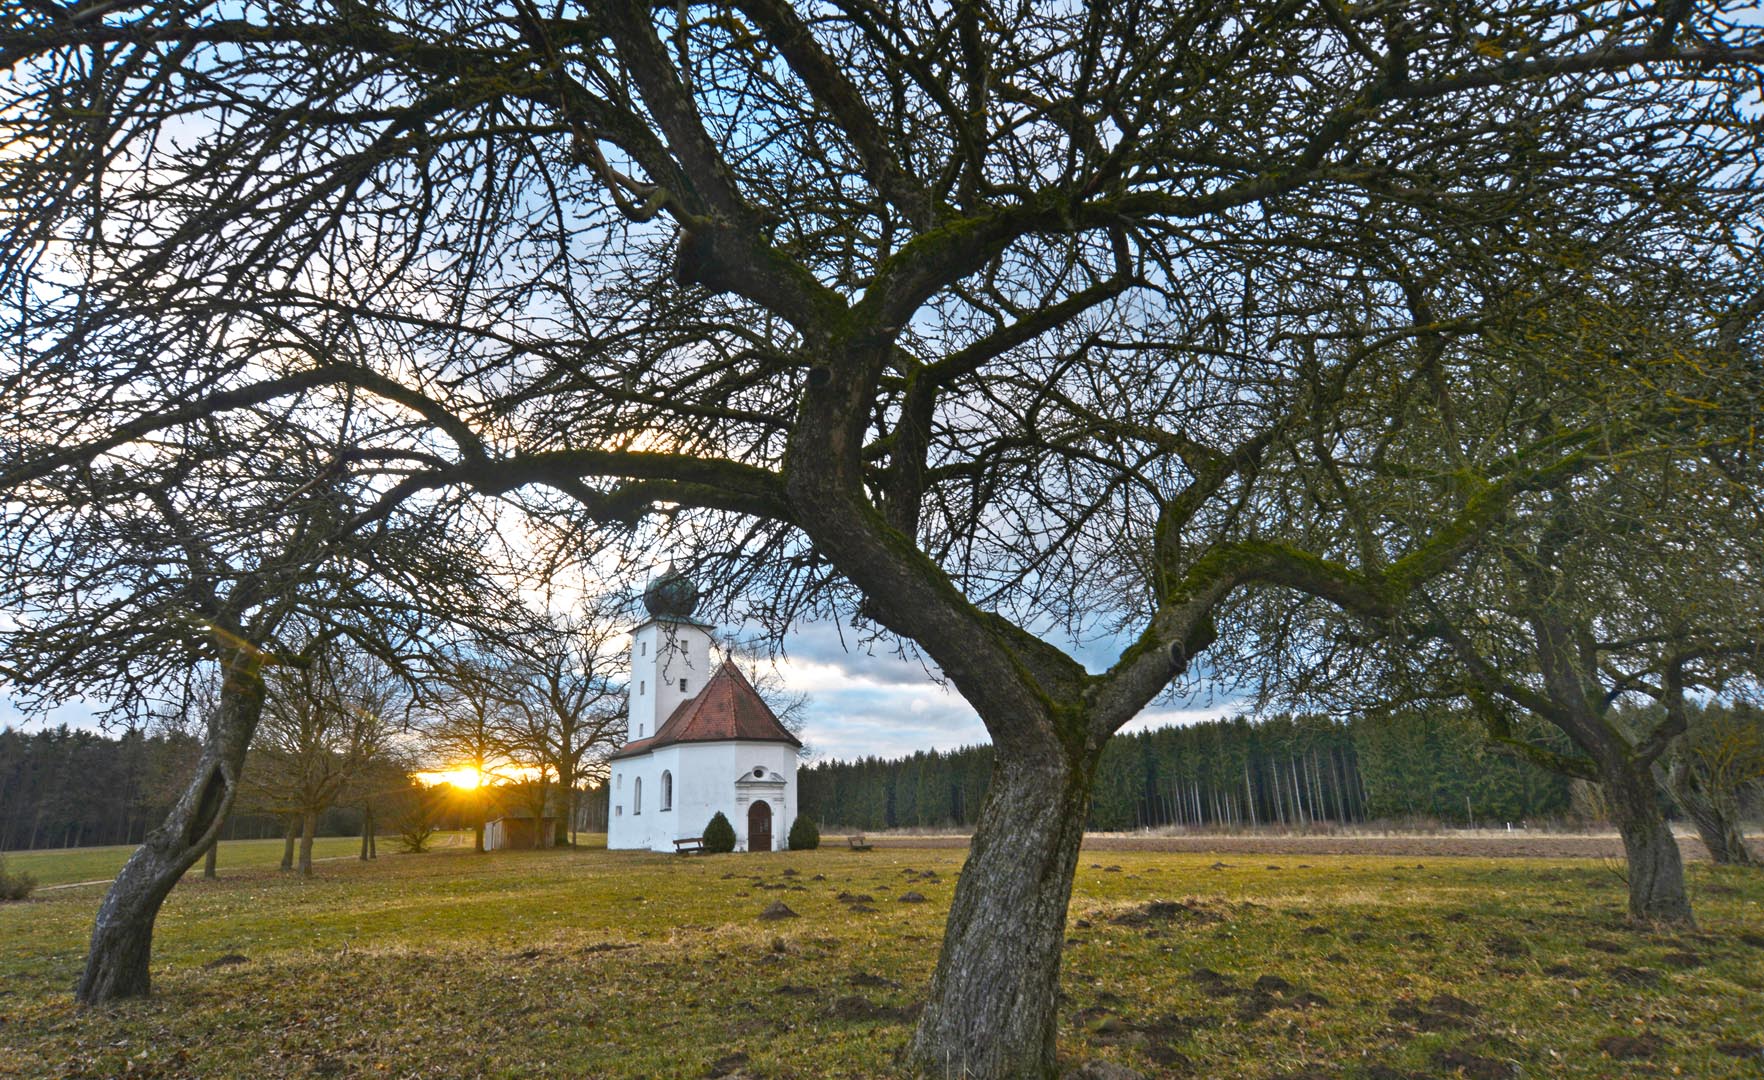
<point>671,596</point>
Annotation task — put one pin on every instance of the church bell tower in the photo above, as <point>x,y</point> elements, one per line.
<point>670,654</point>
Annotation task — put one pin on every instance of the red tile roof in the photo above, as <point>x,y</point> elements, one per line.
<point>727,708</point>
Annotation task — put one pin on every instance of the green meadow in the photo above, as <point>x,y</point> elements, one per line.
<point>66,865</point>
<point>588,963</point>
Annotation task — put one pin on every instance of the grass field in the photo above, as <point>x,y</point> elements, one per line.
<point>63,865</point>
<point>588,963</point>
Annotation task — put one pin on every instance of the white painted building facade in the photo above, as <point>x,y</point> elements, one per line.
<point>698,741</point>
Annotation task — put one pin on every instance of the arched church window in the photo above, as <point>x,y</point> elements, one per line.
<point>667,802</point>
<point>637,796</point>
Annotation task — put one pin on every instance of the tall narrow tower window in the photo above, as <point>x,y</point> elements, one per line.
<point>682,686</point>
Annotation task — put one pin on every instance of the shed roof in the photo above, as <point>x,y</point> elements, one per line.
<point>727,708</point>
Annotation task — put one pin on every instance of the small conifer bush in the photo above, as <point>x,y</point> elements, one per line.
<point>804,836</point>
<point>719,835</point>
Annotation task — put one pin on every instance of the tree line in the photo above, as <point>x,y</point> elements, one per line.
<point>75,787</point>
<point>1283,770</point>
<point>1298,771</point>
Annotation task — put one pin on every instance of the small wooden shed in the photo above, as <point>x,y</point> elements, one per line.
<point>513,831</point>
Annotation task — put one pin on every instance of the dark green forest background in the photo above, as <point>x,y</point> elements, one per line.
<point>62,787</point>
<point>1283,770</point>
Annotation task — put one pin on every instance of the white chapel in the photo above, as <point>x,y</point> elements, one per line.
<point>697,741</point>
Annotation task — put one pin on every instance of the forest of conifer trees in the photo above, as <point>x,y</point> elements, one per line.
<point>62,787</point>
<point>1282,771</point>
<point>71,787</point>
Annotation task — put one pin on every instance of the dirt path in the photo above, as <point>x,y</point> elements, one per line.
<point>108,880</point>
<point>1515,845</point>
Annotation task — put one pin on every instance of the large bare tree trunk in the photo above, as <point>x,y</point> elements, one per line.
<point>309,826</point>
<point>1656,870</point>
<point>290,833</point>
<point>991,1010</point>
<point>122,936</point>
<point>211,862</point>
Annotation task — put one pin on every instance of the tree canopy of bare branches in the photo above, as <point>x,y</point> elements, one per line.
<point>987,322</point>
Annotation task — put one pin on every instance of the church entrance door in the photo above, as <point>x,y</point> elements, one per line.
<point>759,826</point>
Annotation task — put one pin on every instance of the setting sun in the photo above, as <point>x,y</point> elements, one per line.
<point>463,777</point>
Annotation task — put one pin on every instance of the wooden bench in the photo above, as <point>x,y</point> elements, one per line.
<point>689,845</point>
<point>858,843</point>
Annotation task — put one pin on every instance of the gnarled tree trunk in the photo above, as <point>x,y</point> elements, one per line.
<point>122,936</point>
<point>991,1010</point>
<point>1656,870</point>
<point>1716,818</point>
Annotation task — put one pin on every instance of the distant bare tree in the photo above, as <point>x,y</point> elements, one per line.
<point>325,725</point>
<point>466,723</point>
<point>568,716</point>
<point>1713,770</point>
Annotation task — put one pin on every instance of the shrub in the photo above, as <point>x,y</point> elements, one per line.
<point>719,835</point>
<point>417,818</point>
<point>803,834</point>
<point>15,886</point>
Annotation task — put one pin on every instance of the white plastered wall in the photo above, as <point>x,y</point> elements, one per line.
<point>704,776</point>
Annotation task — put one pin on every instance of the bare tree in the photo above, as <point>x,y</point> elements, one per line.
<point>466,725</point>
<point>325,725</point>
<point>1611,582</point>
<point>982,323</point>
<point>1712,770</point>
<point>139,569</point>
<point>569,716</point>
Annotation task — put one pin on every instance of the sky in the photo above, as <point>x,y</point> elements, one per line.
<point>875,702</point>
<point>862,701</point>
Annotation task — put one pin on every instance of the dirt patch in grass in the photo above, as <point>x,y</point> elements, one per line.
<point>1634,976</point>
<point>1473,1066</point>
<point>1164,911</point>
<point>1632,1047</point>
<point>855,1009</point>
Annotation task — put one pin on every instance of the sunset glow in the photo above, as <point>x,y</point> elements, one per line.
<point>463,777</point>
<point>467,777</point>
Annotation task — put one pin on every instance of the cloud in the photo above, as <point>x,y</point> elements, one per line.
<point>871,701</point>
<point>75,714</point>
